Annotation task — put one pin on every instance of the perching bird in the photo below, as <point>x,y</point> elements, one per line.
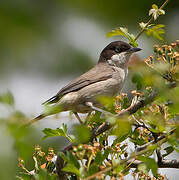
<point>106,78</point>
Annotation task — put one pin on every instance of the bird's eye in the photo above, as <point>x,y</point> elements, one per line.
<point>117,50</point>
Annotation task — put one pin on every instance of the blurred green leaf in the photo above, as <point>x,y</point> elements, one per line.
<point>174,142</point>
<point>122,128</point>
<point>69,158</point>
<point>94,168</point>
<point>156,31</point>
<point>168,150</point>
<point>142,167</point>
<point>7,98</point>
<point>107,102</point>
<point>138,80</point>
<point>150,164</point>
<point>120,139</point>
<point>82,133</point>
<point>118,169</point>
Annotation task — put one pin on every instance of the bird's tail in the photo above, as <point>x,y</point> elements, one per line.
<point>38,118</point>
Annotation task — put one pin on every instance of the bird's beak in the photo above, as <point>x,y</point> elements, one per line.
<point>132,50</point>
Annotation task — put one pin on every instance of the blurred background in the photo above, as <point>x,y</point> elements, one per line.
<point>46,43</point>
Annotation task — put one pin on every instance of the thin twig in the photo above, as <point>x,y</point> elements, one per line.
<point>149,21</point>
<point>133,156</point>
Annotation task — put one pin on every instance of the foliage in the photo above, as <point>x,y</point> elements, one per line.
<point>132,139</point>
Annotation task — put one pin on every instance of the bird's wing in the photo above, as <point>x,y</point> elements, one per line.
<point>96,74</point>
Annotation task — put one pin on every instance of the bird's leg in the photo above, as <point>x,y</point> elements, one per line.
<point>78,117</point>
<point>87,117</point>
<point>90,104</point>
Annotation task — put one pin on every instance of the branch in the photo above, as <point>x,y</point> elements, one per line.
<point>150,20</point>
<point>106,126</point>
<point>130,110</point>
<point>164,163</point>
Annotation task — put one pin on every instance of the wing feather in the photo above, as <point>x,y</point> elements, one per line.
<point>96,74</point>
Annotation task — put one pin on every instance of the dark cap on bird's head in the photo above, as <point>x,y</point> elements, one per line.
<point>116,47</point>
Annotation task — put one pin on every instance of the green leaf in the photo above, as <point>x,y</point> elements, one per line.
<point>82,133</point>
<point>143,167</point>
<point>121,31</point>
<point>93,168</point>
<point>154,6</point>
<point>57,132</point>
<point>73,160</point>
<point>175,143</point>
<point>138,80</point>
<point>123,127</point>
<point>116,32</point>
<point>53,132</point>
<point>168,150</point>
<point>150,164</point>
<point>100,157</point>
<point>120,139</point>
<point>156,31</point>
<point>7,98</point>
<point>72,169</point>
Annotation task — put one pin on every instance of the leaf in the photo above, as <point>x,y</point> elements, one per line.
<point>72,169</point>
<point>100,157</point>
<point>81,133</point>
<point>57,132</point>
<point>150,164</point>
<point>93,168</point>
<point>168,150</point>
<point>7,98</point>
<point>156,31</point>
<point>138,80</point>
<point>142,167</point>
<point>154,6</point>
<point>123,127</point>
<point>116,32</point>
<point>121,31</point>
<point>175,143</point>
<point>72,159</point>
<point>120,139</point>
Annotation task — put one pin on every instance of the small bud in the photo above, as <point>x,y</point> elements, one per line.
<point>96,144</point>
<point>169,54</point>
<point>80,147</point>
<point>177,43</point>
<point>170,48</point>
<point>155,48</point>
<point>160,51</point>
<point>75,149</point>
<point>173,45</point>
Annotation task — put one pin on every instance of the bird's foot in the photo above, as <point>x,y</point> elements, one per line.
<point>103,112</point>
<point>78,117</point>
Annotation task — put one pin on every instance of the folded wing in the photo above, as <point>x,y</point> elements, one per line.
<point>96,74</point>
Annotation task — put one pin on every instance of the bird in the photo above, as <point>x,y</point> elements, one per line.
<point>106,78</point>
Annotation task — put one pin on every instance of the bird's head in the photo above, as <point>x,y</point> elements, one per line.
<point>117,53</point>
